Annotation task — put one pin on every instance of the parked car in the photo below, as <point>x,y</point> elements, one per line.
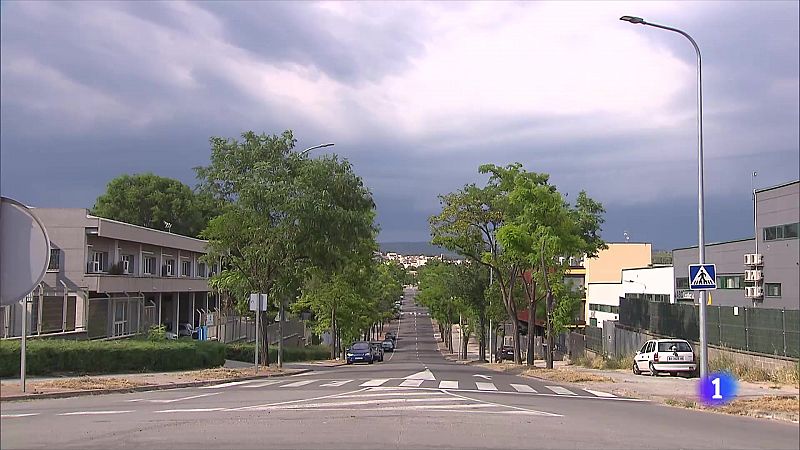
<point>673,356</point>
<point>184,329</point>
<point>390,335</point>
<point>377,350</point>
<point>388,345</point>
<point>360,352</point>
<point>505,352</point>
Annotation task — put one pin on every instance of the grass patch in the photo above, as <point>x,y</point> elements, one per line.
<point>747,372</point>
<point>605,363</point>
<point>246,353</point>
<point>682,403</point>
<point>566,375</point>
<point>48,357</point>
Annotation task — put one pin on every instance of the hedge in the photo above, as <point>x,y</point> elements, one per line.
<point>246,353</point>
<point>45,357</point>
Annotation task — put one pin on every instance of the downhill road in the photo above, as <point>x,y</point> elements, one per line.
<point>414,399</point>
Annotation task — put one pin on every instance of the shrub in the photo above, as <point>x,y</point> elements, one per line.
<point>246,352</point>
<point>46,357</point>
<point>750,372</point>
<point>157,333</point>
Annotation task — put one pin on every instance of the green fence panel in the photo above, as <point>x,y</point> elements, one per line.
<point>792,320</point>
<point>765,331</point>
<point>712,325</point>
<point>594,339</point>
<point>731,328</point>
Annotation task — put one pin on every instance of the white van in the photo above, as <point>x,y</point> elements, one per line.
<point>674,356</point>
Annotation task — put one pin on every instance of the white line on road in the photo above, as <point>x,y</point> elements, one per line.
<point>448,385</point>
<point>522,388</point>
<point>179,399</point>
<point>264,384</point>
<point>485,386</point>
<point>224,385</point>
<point>11,416</point>
<point>519,409</point>
<point>189,410</point>
<point>337,383</point>
<point>298,383</point>
<point>93,413</point>
<point>376,382</point>
<point>600,394</point>
<point>378,401</point>
<point>560,390</point>
<point>411,383</point>
<point>390,393</point>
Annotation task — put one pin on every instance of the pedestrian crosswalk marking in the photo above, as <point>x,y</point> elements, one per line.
<point>448,385</point>
<point>298,383</point>
<point>376,382</point>
<point>485,386</point>
<point>224,385</point>
<point>411,383</point>
<point>600,394</point>
<point>560,390</point>
<point>337,383</point>
<point>424,375</point>
<point>522,388</point>
<point>378,401</point>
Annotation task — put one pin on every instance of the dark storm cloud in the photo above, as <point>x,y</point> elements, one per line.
<point>93,90</point>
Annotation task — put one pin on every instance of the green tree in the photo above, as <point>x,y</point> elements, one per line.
<point>282,214</point>
<point>151,201</point>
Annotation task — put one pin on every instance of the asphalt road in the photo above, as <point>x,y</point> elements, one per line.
<point>414,399</point>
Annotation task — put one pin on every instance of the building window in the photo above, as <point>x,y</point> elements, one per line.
<point>186,268</point>
<point>97,264</point>
<point>682,283</point>
<point>604,308</point>
<point>772,289</point>
<point>120,318</point>
<point>169,268</point>
<point>592,322</point>
<point>55,260</point>
<point>127,264</point>
<point>148,264</point>
<point>787,231</point>
<point>730,281</point>
<point>201,270</point>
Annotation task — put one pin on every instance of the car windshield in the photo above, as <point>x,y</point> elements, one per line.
<point>676,346</point>
<point>360,346</point>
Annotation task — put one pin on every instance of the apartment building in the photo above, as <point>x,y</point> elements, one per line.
<point>111,279</point>
<point>604,285</point>
<point>763,271</point>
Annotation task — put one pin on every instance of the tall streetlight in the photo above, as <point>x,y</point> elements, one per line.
<point>700,204</point>
<point>329,144</point>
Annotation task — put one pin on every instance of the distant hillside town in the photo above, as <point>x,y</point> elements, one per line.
<point>415,261</point>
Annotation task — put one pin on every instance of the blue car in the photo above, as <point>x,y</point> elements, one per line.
<point>360,352</point>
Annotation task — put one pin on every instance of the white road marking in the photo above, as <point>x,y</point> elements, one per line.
<point>522,388</point>
<point>519,409</point>
<point>448,385</point>
<point>560,390</point>
<point>298,383</point>
<point>11,416</point>
<point>264,384</point>
<point>378,401</point>
<point>390,393</point>
<point>224,385</point>
<point>189,410</point>
<point>411,383</point>
<point>424,375</point>
<point>337,383</point>
<point>375,382</point>
<point>485,377</point>
<point>93,413</point>
<point>600,394</point>
<point>179,399</point>
<point>485,386</point>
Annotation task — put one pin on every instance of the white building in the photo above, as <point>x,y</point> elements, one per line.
<point>650,283</point>
<point>603,299</point>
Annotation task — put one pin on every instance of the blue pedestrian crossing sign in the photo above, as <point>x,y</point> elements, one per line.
<point>702,277</point>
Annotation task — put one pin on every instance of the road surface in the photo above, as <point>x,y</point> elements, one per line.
<point>414,399</point>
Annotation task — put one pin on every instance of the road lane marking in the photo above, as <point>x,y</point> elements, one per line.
<point>411,383</point>
<point>391,393</point>
<point>448,385</point>
<point>337,383</point>
<point>378,401</point>
<point>518,409</point>
<point>93,413</point>
<point>485,377</point>
<point>264,384</point>
<point>522,388</point>
<point>485,386</point>
<point>600,394</point>
<point>560,390</point>
<point>188,410</point>
<point>423,375</point>
<point>11,416</point>
<point>375,382</point>
<point>180,399</point>
<point>298,383</point>
<point>224,385</point>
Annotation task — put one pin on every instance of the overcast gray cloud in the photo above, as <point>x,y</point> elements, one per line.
<point>417,95</point>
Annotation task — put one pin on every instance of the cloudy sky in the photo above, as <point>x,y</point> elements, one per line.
<point>416,95</point>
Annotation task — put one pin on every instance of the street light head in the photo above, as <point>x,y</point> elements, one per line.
<point>632,19</point>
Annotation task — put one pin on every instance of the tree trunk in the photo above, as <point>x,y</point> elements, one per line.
<point>333,333</point>
<point>264,347</point>
<point>280,335</point>
<point>531,319</point>
<point>482,338</point>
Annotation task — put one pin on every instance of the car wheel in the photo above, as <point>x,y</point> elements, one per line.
<point>636,370</point>
<point>673,374</point>
<point>653,371</point>
<point>371,361</point>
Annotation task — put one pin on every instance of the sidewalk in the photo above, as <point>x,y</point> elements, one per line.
<point>72,386</point>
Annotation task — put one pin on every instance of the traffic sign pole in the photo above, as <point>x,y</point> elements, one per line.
<point>703,277</point>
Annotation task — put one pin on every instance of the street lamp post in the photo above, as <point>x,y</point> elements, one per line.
<point>700,203</point>
<point>304,152</point>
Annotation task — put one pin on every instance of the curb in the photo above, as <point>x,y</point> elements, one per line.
<point>154,387</point>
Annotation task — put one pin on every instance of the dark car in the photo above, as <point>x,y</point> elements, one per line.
<point>377,350</point>
<point>390,335</point>
<point>505,352</point>
<point>388,345</point>
<point>360,352</point>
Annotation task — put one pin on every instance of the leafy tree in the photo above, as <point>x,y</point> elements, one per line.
<point>283,213</point>
<point>150,200</point>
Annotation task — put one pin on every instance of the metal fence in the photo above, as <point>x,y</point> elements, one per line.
<point>594,339</point>
<point>759,330</point>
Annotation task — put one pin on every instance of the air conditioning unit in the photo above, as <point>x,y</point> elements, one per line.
<point>753,275</point>
<point>753,291</point>
<point>753,259</point>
